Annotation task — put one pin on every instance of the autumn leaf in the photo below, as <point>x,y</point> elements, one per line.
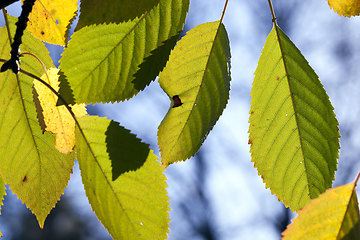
<point>57,119</point>
<point>2,194</point>
<point>34,169</point>
<point>49,20</point>
<point>345,8</point>
<point>333,215</point>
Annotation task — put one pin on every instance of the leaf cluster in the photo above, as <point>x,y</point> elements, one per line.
<point>118,48</point>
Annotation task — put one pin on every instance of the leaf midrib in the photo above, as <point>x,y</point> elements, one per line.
<point>293,103</point>
<point>201,83</point>
<point>53,20</point>
<point>118,44</point>
<point>346,211</point>
<point>104,174</point>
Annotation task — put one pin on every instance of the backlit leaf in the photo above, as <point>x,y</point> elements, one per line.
<point>49,20</point>
<point>345,8</point>
<point>57,119</point>
<point>123,180</point>
<point>101,62</point>
<point>197,79</point>
<point>2,194</point>
<point>29,162</point>
<point>333,215</point>
<point>293,130</point>
<point>112,11</point>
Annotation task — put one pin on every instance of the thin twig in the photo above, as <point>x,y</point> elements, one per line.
<point>41,62</point>
<point>272,12</point>
<point>223,13</point>
<point>7,25</point>
<point>51,88</point>
<point>67,107</point>
<point>61,98</point>
<point>357,178</point>
<point>33,55</point>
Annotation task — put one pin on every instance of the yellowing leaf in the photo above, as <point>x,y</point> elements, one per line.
<point>57,119</point>
<point>2,194</point>
<point>34,169</point>
<point>333,215</point>
<point>345,8</point>
<point>49,20</point>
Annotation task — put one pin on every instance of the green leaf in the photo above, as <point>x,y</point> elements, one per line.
<point>333,215</point>
<point>123,180</point>
<point>29,162</point>
<point>197,79</point>
<point>102,62</point>
<point>293,130</point>
<point>112,11</point>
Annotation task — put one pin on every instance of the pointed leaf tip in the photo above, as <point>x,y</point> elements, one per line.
<point>34,169</point>
<point>293,131</point>
<point>197,80</point>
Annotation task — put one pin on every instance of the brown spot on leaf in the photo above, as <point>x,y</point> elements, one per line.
<point>252,112</point>
<point>42,33</point>
<point>250,142</point>
<point>25,179</point>
<point>278,78</point>
<point>177,101</point>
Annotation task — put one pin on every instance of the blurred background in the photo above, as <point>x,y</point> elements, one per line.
<point>218,195</point>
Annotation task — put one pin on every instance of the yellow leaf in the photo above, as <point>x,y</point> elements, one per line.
<point>345,8</point>
<point>49,20</point>
<point>333,215</point>
<point>57,119</point>
<point>2,194</point>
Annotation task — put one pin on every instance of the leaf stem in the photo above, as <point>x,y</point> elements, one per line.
<point>272,12</point>
<point>7,24</point>
<point>42,64</point>
<point>357,178</point>
<point>51,89</point>
<point>60,97</point>
<point>223,13</point>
